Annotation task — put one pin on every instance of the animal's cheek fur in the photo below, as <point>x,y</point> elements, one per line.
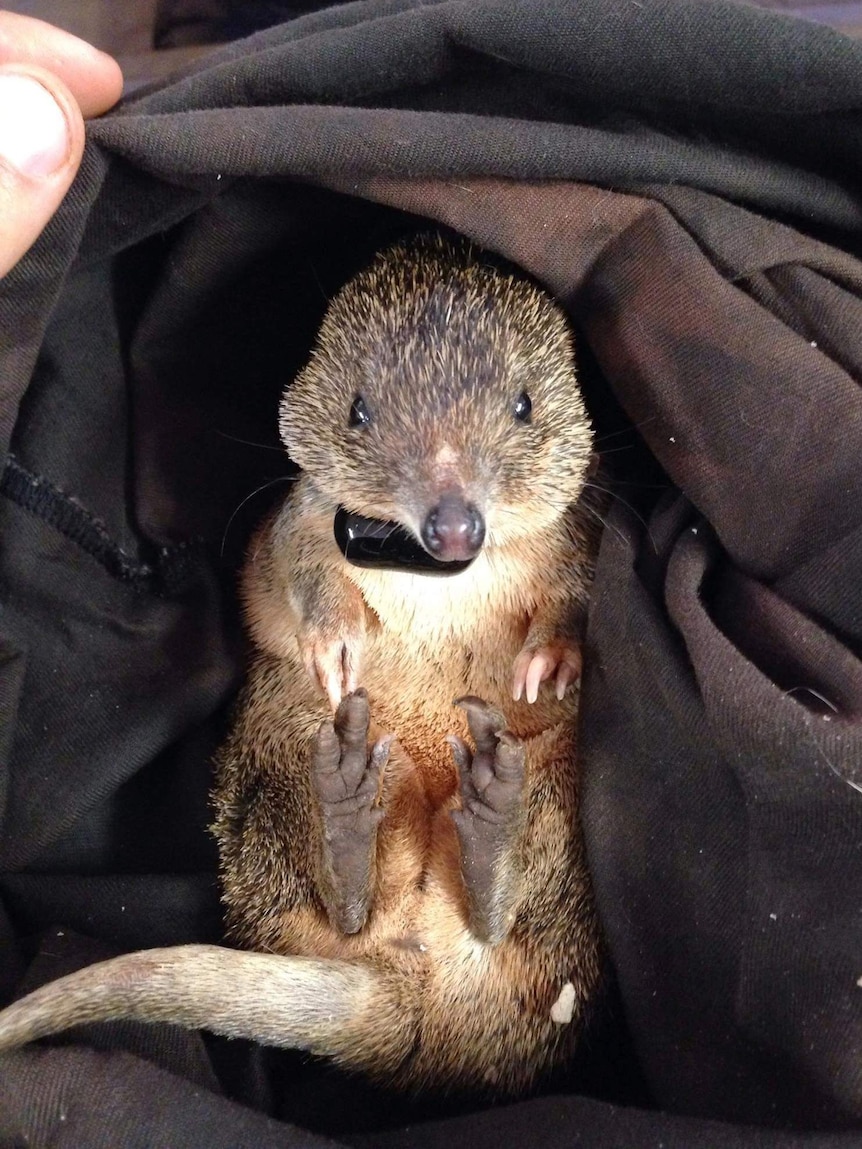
<point>294,433</point>
<point>317,442</point>
<point>531,499</point>
<point>519,519</point>
<point>316,455</point>
<point>352,465</point>
<point>361,484</point>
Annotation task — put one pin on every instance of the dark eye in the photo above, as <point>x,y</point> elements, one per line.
<point>360,416</point>
<point>523,408</point>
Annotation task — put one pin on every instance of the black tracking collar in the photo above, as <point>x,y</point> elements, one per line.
<point>381,545</point>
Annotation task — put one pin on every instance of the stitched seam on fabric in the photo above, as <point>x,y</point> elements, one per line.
<point>65,514</point>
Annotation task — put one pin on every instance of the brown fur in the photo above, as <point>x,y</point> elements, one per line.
<point>453,994</point>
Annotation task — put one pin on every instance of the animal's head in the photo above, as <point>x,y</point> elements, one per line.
<point>442,396</point>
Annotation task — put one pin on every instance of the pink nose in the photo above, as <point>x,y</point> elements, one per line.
<point>453,530</point>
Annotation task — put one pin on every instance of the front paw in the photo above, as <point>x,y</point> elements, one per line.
<point>559,659</point>
<point>333,659</point>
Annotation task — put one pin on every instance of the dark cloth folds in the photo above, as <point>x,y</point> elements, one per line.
<point>684,177</point>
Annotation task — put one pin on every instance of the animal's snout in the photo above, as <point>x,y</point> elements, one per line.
<point>453,530</point>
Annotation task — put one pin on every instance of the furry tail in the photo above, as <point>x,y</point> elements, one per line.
<point>304,1003</point>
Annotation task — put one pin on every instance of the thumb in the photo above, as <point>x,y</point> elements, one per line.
<point>41,144</point>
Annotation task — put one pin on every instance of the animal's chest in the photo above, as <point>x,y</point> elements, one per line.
<point>413,682</point>
<point>433,640</point>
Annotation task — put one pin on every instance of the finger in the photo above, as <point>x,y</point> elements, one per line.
<point>569,672</point>
<point>522,665</point>
<point>350,663</point>
<point>510,761</point>
<point>323,663</point>
<point>332,684</point>
<point>326,776</point>
<point>369,787</point>
<point>460,752</point>
<point>326,752</point>
<point>463,761</point>
<point>484,722</point>
<point>351,722</point>
<point>482,772</point>
<point>541,666</point>
<point>93,78</point>
<point>380,752</point>
<point>322,679</point>
<point>41,144</point>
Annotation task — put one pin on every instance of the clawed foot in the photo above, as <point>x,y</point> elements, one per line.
<point>491,817</point>
<point>492,777</point>
<point>560,660</point>
<point>346,781</point>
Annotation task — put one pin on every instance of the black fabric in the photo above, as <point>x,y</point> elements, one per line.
<point>685,178</point>
<point>184,22</point>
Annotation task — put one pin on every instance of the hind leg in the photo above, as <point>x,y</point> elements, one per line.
<point>346,783</point>
<point>491,820</point>
<point>296,815</point>
<point>518,1002</point>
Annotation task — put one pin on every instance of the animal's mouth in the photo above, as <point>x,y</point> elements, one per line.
<point>385,545</point>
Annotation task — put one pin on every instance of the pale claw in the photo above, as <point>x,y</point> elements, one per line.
<point>533,667</point>
<point>333,666</point>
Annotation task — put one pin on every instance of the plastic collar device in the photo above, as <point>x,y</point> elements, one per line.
<point>381,545</point>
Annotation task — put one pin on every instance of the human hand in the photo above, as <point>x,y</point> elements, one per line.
<point>49,81</point>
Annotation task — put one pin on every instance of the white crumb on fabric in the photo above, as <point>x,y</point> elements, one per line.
<point>563,1008</point>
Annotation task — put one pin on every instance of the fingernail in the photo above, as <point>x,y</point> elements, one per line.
<point>34,133</point>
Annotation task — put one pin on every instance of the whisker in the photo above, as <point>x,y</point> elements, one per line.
<point>625,503</point>
<point>395,526</point>
<point>262,487</point>
<point>320,286</point>
<point>606,524</point>
<point>816,693</point>
<point>249,443</point>
<point>616,450</point>
<point>625,430</point>
<point>842,777</point>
